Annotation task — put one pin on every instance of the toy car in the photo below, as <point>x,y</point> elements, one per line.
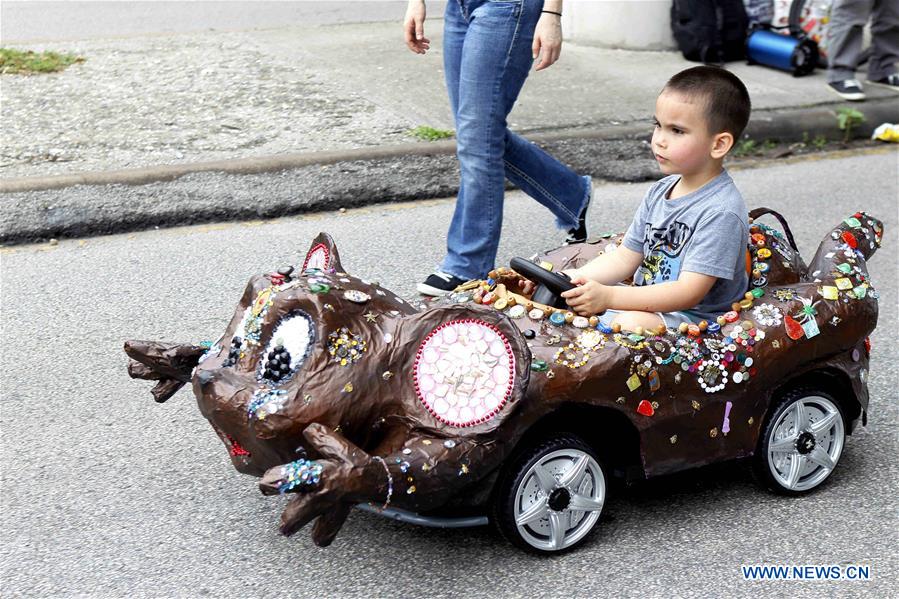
<point>492,405</point>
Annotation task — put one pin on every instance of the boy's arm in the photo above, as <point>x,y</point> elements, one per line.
<point>610,268</point>
<point>684,293</point>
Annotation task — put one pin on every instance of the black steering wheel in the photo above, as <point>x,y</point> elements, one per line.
<point>550,285</point>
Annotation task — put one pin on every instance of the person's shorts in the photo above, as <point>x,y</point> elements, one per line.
<point>672,320</point>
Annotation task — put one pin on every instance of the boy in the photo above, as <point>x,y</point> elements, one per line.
<point>686,246</point>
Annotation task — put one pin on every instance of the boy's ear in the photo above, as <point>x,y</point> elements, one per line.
<point>721,144</point>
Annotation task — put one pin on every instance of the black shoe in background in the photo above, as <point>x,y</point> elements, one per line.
<point>439,284</point>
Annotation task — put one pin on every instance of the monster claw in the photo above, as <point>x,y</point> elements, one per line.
<point>326,527</point>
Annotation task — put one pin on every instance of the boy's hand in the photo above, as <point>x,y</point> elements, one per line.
<point>527,286</point>
<point>588,298</point>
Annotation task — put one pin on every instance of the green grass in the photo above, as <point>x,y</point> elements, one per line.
<point>430,134</point>
<point>19,62</point>
<point>847,120</point>
<point>745,147</point>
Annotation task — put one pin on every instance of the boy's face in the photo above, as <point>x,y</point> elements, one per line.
<point>681,140</point>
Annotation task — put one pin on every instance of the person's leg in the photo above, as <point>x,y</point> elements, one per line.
<point>534,171</point>
<point>884,40</point>
<point>844,37</point>
<point>493,42</point>
<point>547,180</point>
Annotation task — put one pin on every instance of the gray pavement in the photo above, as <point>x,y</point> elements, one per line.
<point>108,494</point>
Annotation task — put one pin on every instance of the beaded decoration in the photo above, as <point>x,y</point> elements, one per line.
<point>464,372</point>
<point>317,257</point>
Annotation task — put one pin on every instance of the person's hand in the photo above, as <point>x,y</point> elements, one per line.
<point>526,287</point>
<point>588,298</point>
<point>414,27</point>
<point>547,40</point>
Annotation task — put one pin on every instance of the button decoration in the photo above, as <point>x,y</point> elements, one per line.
<point>346,347</point>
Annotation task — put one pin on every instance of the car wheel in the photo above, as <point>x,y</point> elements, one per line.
<point>801,442</point>
<point>551,495</point>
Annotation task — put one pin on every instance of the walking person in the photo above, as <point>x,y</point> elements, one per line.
<point>844,44</point>
<point>489,49</point>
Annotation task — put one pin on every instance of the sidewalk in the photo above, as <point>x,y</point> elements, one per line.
<point>267,100</point>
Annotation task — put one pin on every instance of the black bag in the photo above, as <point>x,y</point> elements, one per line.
<point>710,31</point>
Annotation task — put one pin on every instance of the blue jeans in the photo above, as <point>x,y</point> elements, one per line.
<point>487,57</point>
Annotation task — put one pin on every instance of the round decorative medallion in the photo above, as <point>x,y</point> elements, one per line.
<point>464,372</point>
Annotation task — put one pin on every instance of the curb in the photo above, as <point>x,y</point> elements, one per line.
<point>95,203</point>
<point>773,124</point>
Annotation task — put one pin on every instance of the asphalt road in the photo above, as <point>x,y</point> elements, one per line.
<point>105,493</point>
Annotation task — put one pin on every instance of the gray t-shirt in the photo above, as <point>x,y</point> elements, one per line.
<point>706,231</point>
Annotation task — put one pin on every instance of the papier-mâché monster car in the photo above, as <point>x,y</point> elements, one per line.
<point>490,404</point>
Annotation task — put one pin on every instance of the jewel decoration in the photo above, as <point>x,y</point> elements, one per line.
<point>645,408</point>
<point>572,356</point>
<point>794,329</point>
<point>356,296</point>
<point>590,340</point>
<point>346,347</point>
<point>810,328</point>
<point>785,294</point>
<point>768,315</point>
<point>712,375</point>
<point>464,372</point>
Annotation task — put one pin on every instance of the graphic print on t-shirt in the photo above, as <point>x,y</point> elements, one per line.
<point>661,253</point>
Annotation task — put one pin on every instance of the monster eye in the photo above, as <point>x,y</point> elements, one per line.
<point>288,348</point>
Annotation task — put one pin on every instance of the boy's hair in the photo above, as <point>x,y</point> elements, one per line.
<point>727,104</point>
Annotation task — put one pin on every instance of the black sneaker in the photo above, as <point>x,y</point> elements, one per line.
<point>579,233</point>
<point>848,89</point>
<point>438,284</point>
<point>889,82</point>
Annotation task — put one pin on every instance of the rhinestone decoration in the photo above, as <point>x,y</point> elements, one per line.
<point>301,474</point>
<point>464,372</point>
<point>266,402</point>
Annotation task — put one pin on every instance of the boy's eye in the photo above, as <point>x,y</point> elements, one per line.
<point>677,131</point>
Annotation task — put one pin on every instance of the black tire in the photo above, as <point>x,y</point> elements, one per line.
<point>518,472</point>
<point>773,472</point>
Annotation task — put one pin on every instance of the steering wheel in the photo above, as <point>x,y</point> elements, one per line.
<point>550,285</point>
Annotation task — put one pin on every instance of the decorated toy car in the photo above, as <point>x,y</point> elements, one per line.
<point>492,405</point>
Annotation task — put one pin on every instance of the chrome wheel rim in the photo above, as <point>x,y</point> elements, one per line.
<point>805,443</point>
<point>559,499</point>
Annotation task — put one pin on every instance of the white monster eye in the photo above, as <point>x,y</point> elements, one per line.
<point>288,348</point>
<point>464,372</point>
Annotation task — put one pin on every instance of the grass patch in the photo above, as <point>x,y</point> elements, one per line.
<point>430,134</point>
<point>745,147</point>
<point>847,120</point>
<point>27,62</point>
